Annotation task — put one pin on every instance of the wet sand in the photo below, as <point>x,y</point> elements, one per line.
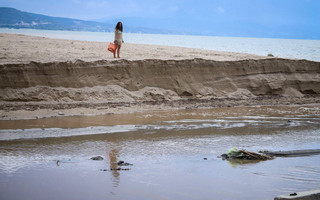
<point>30,110</point>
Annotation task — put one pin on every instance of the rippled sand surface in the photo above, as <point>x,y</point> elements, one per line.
<point>50,158</point>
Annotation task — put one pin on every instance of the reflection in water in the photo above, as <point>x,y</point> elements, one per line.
<point>113,154</point>
<point>234,163</point>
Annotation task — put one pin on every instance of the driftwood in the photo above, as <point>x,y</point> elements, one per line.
<point>265,155</point>
<point>256,156</point>
<point>305,152</point>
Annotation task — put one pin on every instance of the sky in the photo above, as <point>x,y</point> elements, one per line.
<point>258,18</point>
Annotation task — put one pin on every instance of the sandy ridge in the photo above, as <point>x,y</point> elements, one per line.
<point>39,75</point>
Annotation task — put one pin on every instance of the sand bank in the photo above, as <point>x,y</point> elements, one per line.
<point>83,78</point>
<point>17,48</point>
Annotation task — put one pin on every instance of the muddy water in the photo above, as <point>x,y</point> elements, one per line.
<point>50,158</point>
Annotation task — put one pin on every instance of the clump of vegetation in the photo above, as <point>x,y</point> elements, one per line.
<point>271,55</point>
<point>234,153</point>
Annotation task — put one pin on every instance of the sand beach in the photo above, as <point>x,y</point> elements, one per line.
<point>42,77</point>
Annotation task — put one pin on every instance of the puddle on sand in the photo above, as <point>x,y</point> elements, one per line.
<point>166,150</point>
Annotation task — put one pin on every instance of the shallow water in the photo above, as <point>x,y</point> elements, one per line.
<point>166,150</point>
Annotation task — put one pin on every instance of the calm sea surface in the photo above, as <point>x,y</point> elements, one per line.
<point>284,48</point>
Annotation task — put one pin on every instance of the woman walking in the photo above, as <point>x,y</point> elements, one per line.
<point>118,39</point>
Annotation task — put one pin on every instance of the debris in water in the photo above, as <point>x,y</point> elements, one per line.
<point>234,153</point>
<point>122,163</point>
<point>118,169</point>
<point>97,158</point>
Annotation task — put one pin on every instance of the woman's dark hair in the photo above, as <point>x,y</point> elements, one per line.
<point>119,26</point>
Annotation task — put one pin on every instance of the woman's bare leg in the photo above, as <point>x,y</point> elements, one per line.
<point>118,51</point>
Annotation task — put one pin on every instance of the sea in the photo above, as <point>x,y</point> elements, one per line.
<point>282,48</point>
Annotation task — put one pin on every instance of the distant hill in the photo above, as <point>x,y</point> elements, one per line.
<point>13,18</point>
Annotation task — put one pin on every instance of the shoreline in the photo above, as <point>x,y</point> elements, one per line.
<point>289,49</point>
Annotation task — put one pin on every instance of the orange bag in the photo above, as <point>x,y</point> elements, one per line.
<point>112,47</point>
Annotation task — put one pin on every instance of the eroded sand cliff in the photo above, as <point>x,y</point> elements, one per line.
<point>128,81</point>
